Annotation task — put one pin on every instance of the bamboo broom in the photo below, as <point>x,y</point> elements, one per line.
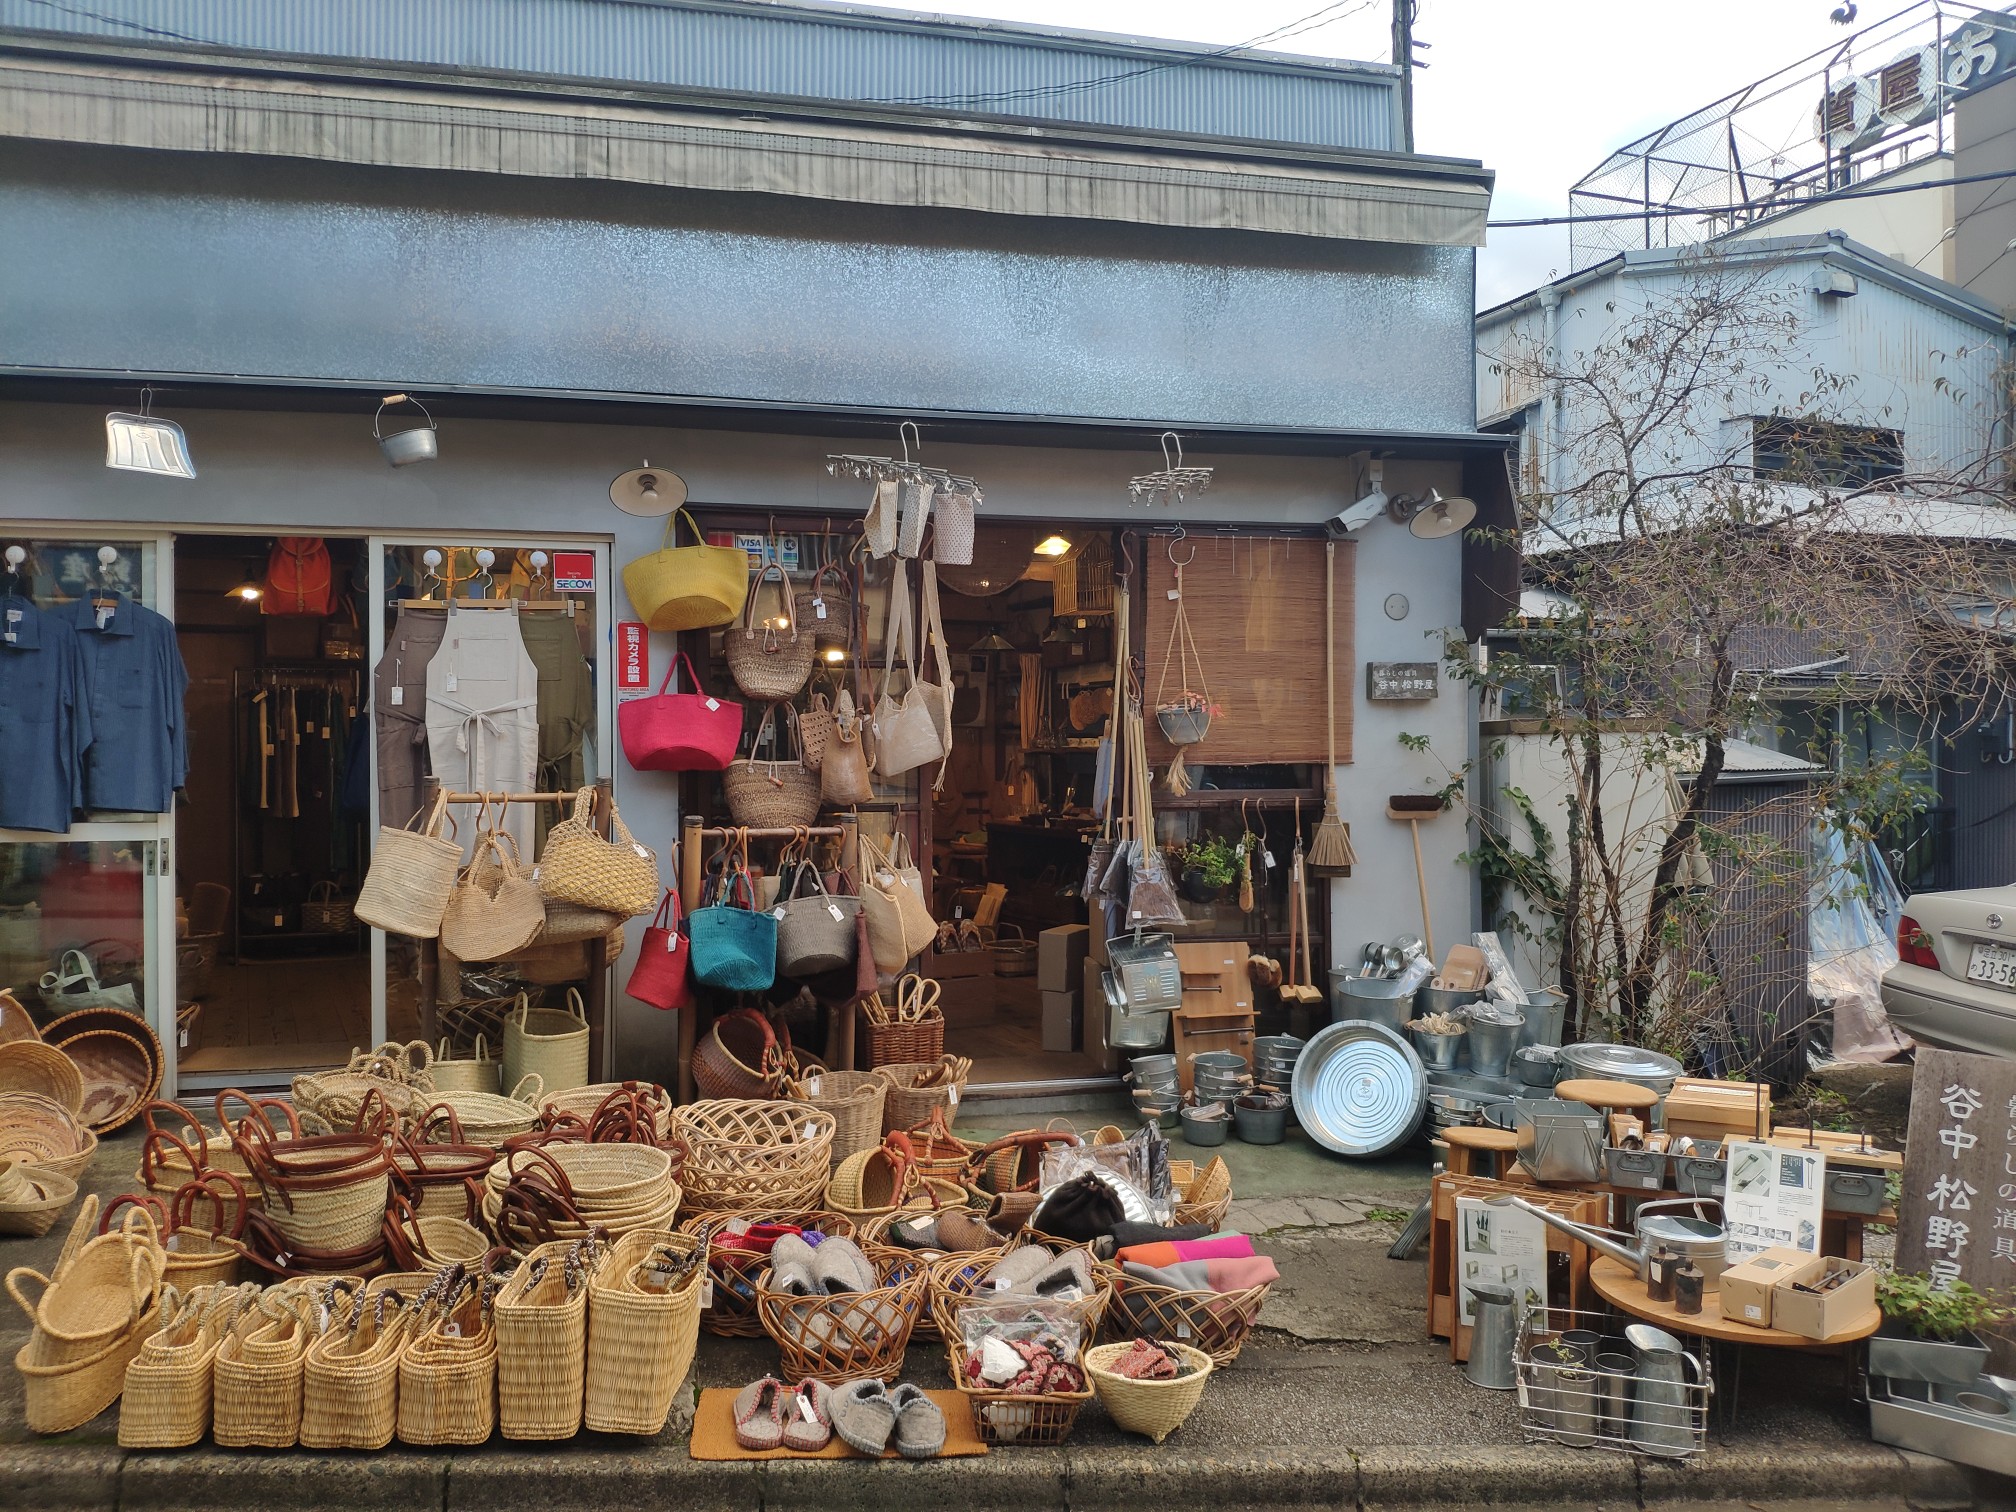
<point>1330,847</point>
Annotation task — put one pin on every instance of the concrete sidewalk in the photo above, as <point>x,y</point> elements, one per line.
<point>1338,1401</point>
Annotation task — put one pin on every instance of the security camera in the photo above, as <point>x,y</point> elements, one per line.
<point>1355,517</point>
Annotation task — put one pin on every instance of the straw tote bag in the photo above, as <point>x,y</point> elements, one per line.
<point>878,529</point>
<point>412,874</point>
<point>815,928</point>
<point>679,732</point>
<point>776,792</point>
<point>899,925</point>
<point>953,545</point>
<point>906,729</point>
<point>659,977</point>
<point>937,695</point>
<point>772,659</point>
<point>616,875</point>
<point>815,731</point>
<point>688,587</point>
<point>493,910</point>
<point>843,775</point>
<point>551,1043</point>
<point>733,945</point>
<point>914,511</point>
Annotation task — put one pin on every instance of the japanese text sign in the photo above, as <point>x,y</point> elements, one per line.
<point>1957,1217</point>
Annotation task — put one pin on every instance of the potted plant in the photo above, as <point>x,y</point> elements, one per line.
<point>1931,1334</point>
<point>1208,868</point>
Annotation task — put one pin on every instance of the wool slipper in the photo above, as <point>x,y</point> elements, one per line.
<point>808,1417</point>
<point>920,1425</point>
<point>791,1262</point>
<point>920,1233</point>
<point>1016,1269</point>
<point>1068,1270</point>
<point>839,1266</point>
<point>962,1231</point>
<point>758,1414</point>
<point>864,1416</point>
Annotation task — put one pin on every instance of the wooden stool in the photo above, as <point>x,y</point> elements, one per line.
<point>1479,1150</point>
<point>1609,1096</point>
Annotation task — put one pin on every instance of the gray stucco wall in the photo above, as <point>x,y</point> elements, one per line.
<point>266,472</point>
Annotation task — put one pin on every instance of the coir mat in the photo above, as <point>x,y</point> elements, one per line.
<point>714,1432</point>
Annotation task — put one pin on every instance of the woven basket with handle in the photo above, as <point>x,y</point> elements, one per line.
<point>853,1098</point>
<point>412,874</point>
<point>640,1336</point>
<point>742,1055</point>
<point>542,1340</point>
<point>908,1104</point>
<point>734,1260</point>
<point>617,875</point>
<point>748,1154</point>
<point>843,1336</point>
<point>550,1043</point>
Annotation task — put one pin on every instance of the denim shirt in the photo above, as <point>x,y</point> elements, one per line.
<point>134,681</point>
<point>45,722</point>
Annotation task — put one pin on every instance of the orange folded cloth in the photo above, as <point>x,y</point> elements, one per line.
<point>1219,1247</point>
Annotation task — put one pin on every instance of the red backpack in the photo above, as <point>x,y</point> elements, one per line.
<point>299,578</point>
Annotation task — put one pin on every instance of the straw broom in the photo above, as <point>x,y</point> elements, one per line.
<point>1330,847</point>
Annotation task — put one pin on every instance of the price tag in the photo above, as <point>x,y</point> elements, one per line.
<point>1001,1283</point>
<point>819,608</point>
<point>1182,1330</point>
<point>952,1096</point>
<point>714,704</point>
<point>810,1130</point>
<point>834,909</point>
<point>1267,859</point>
<point>398,695</point>
<point>707,1294</point>
<point>778,912</point>
<point>452,683</point>
<point>959,913</point>
<point>805,1408</point>
<point>811,1086</point>
<point>640,850</point>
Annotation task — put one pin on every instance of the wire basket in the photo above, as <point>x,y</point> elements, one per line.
<point>1578,1403</point>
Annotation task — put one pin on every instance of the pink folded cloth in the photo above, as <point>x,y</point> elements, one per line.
<point>1218,1247</point>
<point>1232,1274</point>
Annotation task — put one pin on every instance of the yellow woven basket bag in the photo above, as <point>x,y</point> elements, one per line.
<point>688,587</point>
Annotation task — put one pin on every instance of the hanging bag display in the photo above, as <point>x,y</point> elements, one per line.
<point>411,876</point>
<point>688,587</point>
<point>679,732</point>
<point>769,655</point>
<point>892,896</point>
<point>878,529</point>
<point>826,608</point>
<point>919,928</point>
<point>299,579</point>
<point>843,775</point>
<point>617,875</point>
<point>815,928</point>
<point>660,975</point>
<point>493,910</point>
<point>937,695</point>
<point>815,732</point>
<point>906,729</point>
<point>733,945</point>
<point>953,544</point>
<point>914,504</point>
<point>773,792</point>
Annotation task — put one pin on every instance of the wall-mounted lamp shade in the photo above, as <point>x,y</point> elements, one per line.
<point>1053,546</point>
<point>1441,517</point>
<point>648,492</point>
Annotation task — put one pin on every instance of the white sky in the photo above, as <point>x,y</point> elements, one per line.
<point>1540,90</point>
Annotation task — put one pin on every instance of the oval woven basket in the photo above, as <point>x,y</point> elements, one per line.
<point>853,1098</point>
<point>32,1198</point>
<point>604,1097</point>
<point>119,1073</point>
<point>846,1335</point>
<point>489,1118</point>
<point>907,1105</point>
<point>30,1067</point>
<point>735,1265</point>
<point>1216,1322</point>
<point>478,1072</point>
<point>754,1154</point>
<point>43,1132</point>
<point>16,1023</point>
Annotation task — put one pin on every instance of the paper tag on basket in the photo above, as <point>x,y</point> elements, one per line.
<point>811,1086</point>
<point>818,612</point>
<point>952,1096</point>
<point>834,909</point>
<point>735,1227</point>
<point>810,1130</point>
<point>1182,1330</point>
<point>707,1294</point>
<point>885,879</point>
<point>1070,1294</point>
<point>778,912</point>
<point>959,912</point>
<point>640,850</point>
<point>398,695</point>
<point>1001,1283</point>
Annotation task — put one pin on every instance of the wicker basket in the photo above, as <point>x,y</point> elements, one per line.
<point>99,1289</point>
<point>1215,1322</point>
<point>1208,1198</point>
<point>1154,1409</point>
<point>937,1150</point>
<point>562,1191</point>
<point>471,1073</point>
<point>640,1341</point>
<point>754,1154</point>
<point>61,1394</point>
<point>620,1111</point>
<point>897,1044</point>
<point>768,663</point>
<point>325,1194</point>
<point>32,1199</point>
<point>741,1056</point>
<point>774,792</point>
<point>542,1341</point>
<point>256,1385</point>
<point>1025,1420</point>
<point>328,912</point>
<point>412,872</point>
<point>442,1180</point>
<point>448,1369</point>
<point>549,1042</point>
<point>955,1280</point>
<point>165,1403</point>
<point>31,1067</point>
<point>907,1105</point>
<point>350,1376</point>
<point>487,1118</point>
<point>729,1310</point>
<point>846,1335</point>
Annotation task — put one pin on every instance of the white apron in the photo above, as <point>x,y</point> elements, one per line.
<point>483,717</point>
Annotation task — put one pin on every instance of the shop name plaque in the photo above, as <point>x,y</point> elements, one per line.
<point>1956,1219</point>
<point>1401,682</point>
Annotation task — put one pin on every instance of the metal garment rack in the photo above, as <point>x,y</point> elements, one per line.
<point>596,996</point>
<point>694,833</point>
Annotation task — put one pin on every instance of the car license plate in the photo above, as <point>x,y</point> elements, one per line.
<point>1993,964</point>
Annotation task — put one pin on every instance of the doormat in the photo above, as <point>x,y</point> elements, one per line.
<point>714,1432</point>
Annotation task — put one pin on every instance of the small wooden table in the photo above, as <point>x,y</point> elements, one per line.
<point>1479,1150</point>
<point>1622,1287</point>
<point>1610,1096</point>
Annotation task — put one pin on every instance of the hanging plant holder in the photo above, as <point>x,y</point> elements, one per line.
<point>1185,719</point>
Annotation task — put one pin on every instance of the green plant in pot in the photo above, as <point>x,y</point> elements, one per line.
<point>1931,1333</point>
<point>1208,868</point>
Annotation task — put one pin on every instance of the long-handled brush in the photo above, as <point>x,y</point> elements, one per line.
<point>1330,847</point>
<point>1411,809</point>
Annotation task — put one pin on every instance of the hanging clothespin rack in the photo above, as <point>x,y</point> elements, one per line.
<point>904,469</point>
<point>1174,481</point>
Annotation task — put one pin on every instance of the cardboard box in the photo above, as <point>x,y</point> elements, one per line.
<point>1706,1109</point>
<point>945,965</point>
<point>1748,1289</point>
<point>1826,1314</point>
<point>1061,954</point>
<point>1061,1018</point>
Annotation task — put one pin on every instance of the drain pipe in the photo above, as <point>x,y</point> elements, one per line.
<point>1550,332</point>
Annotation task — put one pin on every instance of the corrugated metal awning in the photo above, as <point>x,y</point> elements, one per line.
<point>694,149</point>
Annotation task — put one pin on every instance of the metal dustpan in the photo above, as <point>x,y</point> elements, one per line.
<point>1145,964</point>
<point>147,444</point>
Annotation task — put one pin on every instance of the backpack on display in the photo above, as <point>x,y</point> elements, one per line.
<point>299,578</point>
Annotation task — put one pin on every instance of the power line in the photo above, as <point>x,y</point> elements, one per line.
<point>92,15</point>
<point>1819,199</point>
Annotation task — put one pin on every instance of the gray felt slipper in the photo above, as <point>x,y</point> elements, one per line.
<point>758,1424</point>
<point>864,1416</point>
<point>920,1425</point>
<point>808,1417</point>
<point>791,1262</point>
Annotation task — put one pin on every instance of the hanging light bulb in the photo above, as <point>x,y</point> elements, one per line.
<point>1053,546</point>
<point>249,590</point>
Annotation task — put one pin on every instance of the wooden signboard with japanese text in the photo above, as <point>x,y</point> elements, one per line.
<point>1956,1219</point>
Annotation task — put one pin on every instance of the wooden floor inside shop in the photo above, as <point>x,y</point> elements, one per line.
<point>290,1016</point>
<point>998,1023</point>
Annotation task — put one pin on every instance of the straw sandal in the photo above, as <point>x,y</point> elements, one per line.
<point>920,1424</point>
<point>759,1415</point>
<point>864,1415</point>
<point>808,1417</point>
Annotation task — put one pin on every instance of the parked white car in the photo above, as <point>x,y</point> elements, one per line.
<point>1954,984</point>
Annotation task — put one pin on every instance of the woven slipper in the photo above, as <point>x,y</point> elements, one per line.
<point>864,1416</point>
<point>920,1425</point>
<point>758,1414</point>
<point>808,1417</point>
<point>791,1266</point>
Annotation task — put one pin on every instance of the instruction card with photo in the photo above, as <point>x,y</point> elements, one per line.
<point>1774,1199</point>
<point>1499,1247</point>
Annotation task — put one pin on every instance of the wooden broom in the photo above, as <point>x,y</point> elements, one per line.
<point>1330,847</point>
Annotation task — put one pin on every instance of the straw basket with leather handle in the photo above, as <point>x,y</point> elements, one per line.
<point>551,1043</point>
<point>741,1055</point>
<point>411,876</point>
<point>769,656</point>
<point>493,910</point>
<point>1014,1162</point>
<point>688,587</point>
<point>616,875</point>
<point>773,792</point>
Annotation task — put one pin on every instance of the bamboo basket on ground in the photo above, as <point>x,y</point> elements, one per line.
<point>61,1394</point>
<point>442,1180</point>
<point>448,1369</point>
<point>884,1179</point>
<point>640,1337</point>
<point>541,1318</point>
<point>754,1154</point>
<point>324,1194</point>
<point>100,1289</point>
<point>176,1148</point>
<point>32,1199</point>
<point>1207,1199</point>
<point>853,1098</point>
<point>44,1133</point>
<point>1026,1420</point>
<point>350,1375</point>
<point>256,1382</point>
<point>549,1042</point>
<point>166,1401</point>
<point>475,1072</point>
<point>909,1103</point>
<point>1216,1322</point>
<point>734,1260</point>
<point>845,1335</point>
<point>416,1243</point>
<point>197,1256</point>
<point>1155,1409</point>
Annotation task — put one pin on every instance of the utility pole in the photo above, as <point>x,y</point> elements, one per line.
<point>1403,59</point>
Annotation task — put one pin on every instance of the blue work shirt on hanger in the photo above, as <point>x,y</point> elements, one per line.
<point>134,680</point>
<point>44,721</point>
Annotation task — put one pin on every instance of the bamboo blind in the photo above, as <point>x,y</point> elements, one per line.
<point>1255,605</point>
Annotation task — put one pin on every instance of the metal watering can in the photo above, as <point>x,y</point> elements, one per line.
<point>1695,1238</point>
